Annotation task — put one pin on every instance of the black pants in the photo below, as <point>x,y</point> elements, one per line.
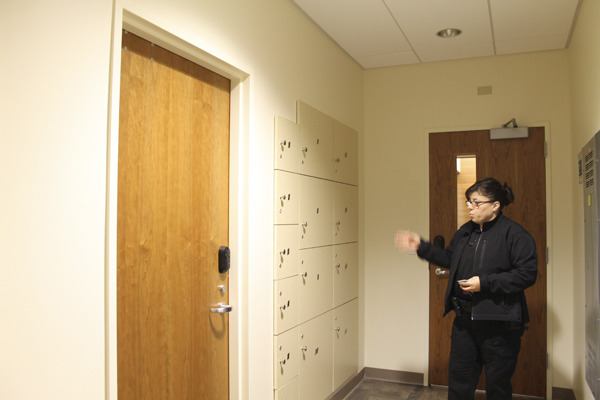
<point>491,345</point>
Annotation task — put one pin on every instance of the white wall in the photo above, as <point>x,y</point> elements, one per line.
<point>584,60</point>
<point>54,85</point>
<point>402,105</point>
<point>53,108</point>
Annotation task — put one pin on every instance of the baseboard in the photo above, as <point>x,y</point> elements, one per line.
<point>347,387</point>
<point>411,378</point>
<point>563,394</point>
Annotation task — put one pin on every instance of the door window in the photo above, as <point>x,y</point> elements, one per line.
<point>466,175</point>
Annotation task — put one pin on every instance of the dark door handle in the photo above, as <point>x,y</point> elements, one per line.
<point>224,259</point>
<point>439,241</point>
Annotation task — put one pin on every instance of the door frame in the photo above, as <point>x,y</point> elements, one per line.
<point>238,196</point>
<point>549,229</point>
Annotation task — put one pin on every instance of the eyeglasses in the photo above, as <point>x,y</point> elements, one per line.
<point>477,203</point>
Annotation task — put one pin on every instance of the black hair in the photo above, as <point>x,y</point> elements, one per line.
<point>492,188</point>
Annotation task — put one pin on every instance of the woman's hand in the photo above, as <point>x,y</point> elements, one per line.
<point>407,241</point>
<point>471,285</point>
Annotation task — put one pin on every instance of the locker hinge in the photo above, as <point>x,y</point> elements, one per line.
<point>547,255</point>
<point>547,361</point>
<point>545,149</point>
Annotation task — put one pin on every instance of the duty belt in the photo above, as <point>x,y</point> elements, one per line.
<point>462,307</point>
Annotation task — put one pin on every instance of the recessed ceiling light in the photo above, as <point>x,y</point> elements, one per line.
<point>449,33</point>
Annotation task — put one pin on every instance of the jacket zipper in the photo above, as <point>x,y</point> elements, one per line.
<point>479,265</point>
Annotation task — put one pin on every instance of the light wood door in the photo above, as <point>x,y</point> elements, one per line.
<point>520,163</point>
<point>172,218</point>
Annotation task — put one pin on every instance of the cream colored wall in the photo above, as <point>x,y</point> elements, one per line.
<point>53,108</point>
<point>402,105</point>
<point>55,80</point>
<point>584,61</point>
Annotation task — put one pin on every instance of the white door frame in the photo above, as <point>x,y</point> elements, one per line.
<point>238,197</point>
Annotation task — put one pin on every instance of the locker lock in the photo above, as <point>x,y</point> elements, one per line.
<point>284,198</point>
<point>284,252</point>
<point>285,305</point>
<point>285,143</point>
<point>282,362</point>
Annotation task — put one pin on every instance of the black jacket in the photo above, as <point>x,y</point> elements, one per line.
<point>505,262</point>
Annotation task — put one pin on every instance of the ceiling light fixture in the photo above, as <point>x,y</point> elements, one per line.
<point>449,33</point>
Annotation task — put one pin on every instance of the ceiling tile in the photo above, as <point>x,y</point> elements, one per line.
<point>388,60</point>
<point>421,20</point>
<point>361,27</point>
<point>532,25</point>
<point>529,44</point>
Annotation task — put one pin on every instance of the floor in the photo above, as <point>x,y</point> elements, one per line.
<point>370,389</point>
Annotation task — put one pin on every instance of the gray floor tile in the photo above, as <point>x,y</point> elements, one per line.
<point>371,389</point>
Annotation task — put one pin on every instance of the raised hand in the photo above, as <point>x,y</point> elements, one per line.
<point>407,241</point>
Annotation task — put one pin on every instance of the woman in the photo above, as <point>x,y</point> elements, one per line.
<point>492,260</point>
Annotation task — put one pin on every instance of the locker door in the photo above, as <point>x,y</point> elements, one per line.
<point>315,293</point>
<point>316,212</point>
<point>286,304</point>
<point>287,145</point>
<point>287,356</point>
<point>316,358</point>
<point>345,273</point>
<point>286,251</point>
<point>345,342</point>
<point>286,198</point>
<point>345,214</point>
<point>316,149</point>
<point>345,154</point>
<point>288,392</point>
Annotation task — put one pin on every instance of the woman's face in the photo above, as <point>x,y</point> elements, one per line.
<point>481,208</point>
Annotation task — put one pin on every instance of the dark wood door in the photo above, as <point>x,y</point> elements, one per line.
<point>173,210</point>
<point>519,162</point>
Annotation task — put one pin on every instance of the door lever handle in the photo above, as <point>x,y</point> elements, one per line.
<point>221,308</point>
<point>441,272</point>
